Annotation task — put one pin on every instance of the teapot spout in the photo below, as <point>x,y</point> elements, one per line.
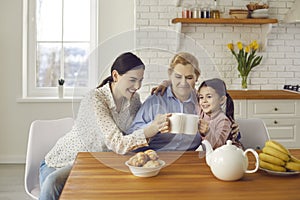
<point>209,150</point>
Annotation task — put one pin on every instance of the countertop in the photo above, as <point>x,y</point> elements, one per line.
<point>263,94</point>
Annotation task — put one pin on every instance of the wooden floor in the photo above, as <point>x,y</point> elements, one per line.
<point>12,182</point>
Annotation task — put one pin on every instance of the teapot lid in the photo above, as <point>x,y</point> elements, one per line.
<point>229,146</point>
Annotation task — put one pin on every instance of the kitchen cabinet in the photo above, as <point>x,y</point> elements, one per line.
<point>282,118</point>
<point>280,110</point>
<point>240,109</point>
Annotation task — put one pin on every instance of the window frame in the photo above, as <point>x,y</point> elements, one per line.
<point>29,90</point>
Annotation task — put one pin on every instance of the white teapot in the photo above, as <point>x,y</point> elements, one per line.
<point>228,162</point>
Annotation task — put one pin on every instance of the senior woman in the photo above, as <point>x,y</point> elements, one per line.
<point>179,97</point>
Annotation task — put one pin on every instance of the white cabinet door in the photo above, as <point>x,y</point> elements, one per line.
<point>240,109</point>
<point>284,130</point>
<point>271,108</point>
<point>282,118</point>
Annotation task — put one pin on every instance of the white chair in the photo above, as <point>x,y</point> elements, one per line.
<point>254,133</point>
<point>43,135</point>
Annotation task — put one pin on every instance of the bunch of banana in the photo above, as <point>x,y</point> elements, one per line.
<point>276,157</point>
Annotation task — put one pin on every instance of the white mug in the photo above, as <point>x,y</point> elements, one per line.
<point>184,123</point>
<point>176,123</point>
<point>191,124</point>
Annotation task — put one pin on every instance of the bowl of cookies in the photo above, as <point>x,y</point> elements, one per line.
<point>145,164</point>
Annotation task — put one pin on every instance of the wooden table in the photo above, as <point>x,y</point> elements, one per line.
<point>188,177</point>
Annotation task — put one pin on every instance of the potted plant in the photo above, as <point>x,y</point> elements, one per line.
<point>246,58</point>
<point>61,87</point>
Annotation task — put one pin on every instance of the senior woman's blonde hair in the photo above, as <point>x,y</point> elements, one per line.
<point>185,58</point>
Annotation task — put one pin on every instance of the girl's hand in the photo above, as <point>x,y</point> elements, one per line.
<point>203,127</point>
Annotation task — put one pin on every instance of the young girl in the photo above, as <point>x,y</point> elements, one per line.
<point>212,97</point>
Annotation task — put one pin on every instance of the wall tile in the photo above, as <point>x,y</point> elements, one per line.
<point>208,42</point>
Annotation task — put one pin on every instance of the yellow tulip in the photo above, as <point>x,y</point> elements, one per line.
<point>230,46</point>
<point>246,58</point>
<point>240,45</point>
<point>247,49</point>
<point>254,45</point>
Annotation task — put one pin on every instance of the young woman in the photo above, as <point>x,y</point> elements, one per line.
<point>212,97</point>
<point>104,114</point>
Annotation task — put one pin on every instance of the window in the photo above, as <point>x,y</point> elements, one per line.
<point>59,36</point>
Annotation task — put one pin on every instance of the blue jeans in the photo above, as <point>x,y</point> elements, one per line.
<point>52,181</point>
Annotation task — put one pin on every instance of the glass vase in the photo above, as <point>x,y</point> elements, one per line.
<point>60,91</point>
<point>244,82</point>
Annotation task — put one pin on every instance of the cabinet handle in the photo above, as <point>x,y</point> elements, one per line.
<point>275,122</point>
<point>276,109</point>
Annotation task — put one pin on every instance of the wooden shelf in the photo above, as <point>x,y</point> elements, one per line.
<point>266,25</point>
<point>223,21</point>
<point>263,94</point>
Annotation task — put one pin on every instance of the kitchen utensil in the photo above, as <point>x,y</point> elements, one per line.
<point>228,162</point>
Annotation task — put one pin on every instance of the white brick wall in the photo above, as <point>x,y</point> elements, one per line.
<point>156,44</point>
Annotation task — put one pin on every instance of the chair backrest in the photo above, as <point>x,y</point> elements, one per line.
<point>43,135</point>
<point>254,133</point>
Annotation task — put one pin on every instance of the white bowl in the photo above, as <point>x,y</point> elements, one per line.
<point>264,11</point>
<point>145,171</point>
<point>259,15</point>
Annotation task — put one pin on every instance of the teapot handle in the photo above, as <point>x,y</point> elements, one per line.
<point>256,158</point>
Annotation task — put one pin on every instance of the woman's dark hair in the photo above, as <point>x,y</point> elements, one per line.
<point>124,63</point>
<point>220,87</point>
